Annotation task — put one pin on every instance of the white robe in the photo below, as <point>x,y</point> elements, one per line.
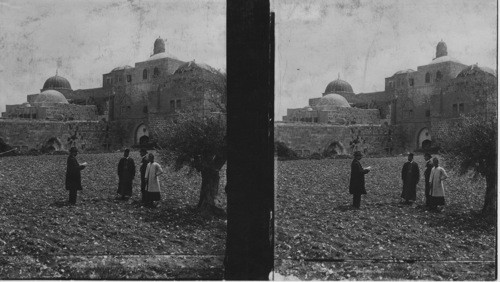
<point>152,172</point>
<point>438,174</point>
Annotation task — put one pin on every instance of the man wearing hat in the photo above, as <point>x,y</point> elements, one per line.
<point>73,176</point>
<point>144,165</point>
<point>410,174</point>
<point>126,174</point>
<point>357,181</point>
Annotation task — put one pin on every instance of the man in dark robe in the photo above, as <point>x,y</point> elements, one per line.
<point>126,174</point>
<point>410,174</point>
<point>357,181</point>
<point>73,175</point>
<point>144,165</point>
<point>427,174</point>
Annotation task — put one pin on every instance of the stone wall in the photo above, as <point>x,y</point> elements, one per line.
<point>36,134</point>
<point>68,112</point>
<point>340,116</point>
<point>440,126</point>
<point>307,139</point>
<point>353,116</point>
<point>157,124</point>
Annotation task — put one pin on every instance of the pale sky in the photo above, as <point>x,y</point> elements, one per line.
<point>367,41</point>
<point>88,38</point>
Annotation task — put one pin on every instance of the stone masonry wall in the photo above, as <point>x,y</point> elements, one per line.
<point>36,134</point>
<point>354,116</point>
<point>306,139</point>
<point>69,111</point>
<point>439,127</point>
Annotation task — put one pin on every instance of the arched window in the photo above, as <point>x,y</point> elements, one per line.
<point>438,76</point>
<point>145,74</point>
<point>156,72</point>
<point>427,77</point>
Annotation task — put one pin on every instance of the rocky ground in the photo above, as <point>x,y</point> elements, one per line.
<point>319,236</point>
<point>41,236</point>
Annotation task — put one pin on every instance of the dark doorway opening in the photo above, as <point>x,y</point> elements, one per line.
<point>426,144</point>
<point>144,140</point>
<point>334,149</point>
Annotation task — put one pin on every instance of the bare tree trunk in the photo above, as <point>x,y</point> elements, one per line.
<point>209,190</point>
<point>490,197</point>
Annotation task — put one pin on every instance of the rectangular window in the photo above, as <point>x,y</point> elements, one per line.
<point>428,113</point>
<point>461,108</point>
<point>108,81</point>
<point>129,78</point>
<point>178,104</point>
<point>172,105</point>
<point>411,81</point>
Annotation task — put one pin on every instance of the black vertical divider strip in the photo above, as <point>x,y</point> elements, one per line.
<point>250,162</point>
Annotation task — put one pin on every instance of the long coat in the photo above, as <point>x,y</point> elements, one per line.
<point>126,173</point>
<point>357,181</point>
<point>438,174</point>
<point>427,175</point>
<point>73,176</point>
<point>410,174</point>
<point>142,169</point>
<point>152,171</point>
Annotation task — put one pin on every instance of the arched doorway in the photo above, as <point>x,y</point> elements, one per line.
<point>53,144</point>
<point>424,140</point>
<point>335,148</point>
<point>141,135</point>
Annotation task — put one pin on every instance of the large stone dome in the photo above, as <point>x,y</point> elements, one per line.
<point>49,98</point>
<point>57,83</point>
<point>338,86</point>
<point>332,101</point>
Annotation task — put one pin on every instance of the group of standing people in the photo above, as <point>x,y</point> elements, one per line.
<point>410,175</point>
<point>149,172</point>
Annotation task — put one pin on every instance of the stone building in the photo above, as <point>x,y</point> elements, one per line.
<point>122,110</point>
<point>332,125</point>
<point>193,87</point>
<point>51,104</point>
<point>435,93</point>
<point>415,105</point>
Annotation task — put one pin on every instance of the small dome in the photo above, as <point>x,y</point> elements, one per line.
<point>404,71</point>
<point>122,68</point>
<point>56,82</point>
<point>49,98</point>
<point>476,70</point>
<point>331,101</point>
<point>191,66</point>
<point>159,46</point>
<point>441,49</point>
<point>338,86</point>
